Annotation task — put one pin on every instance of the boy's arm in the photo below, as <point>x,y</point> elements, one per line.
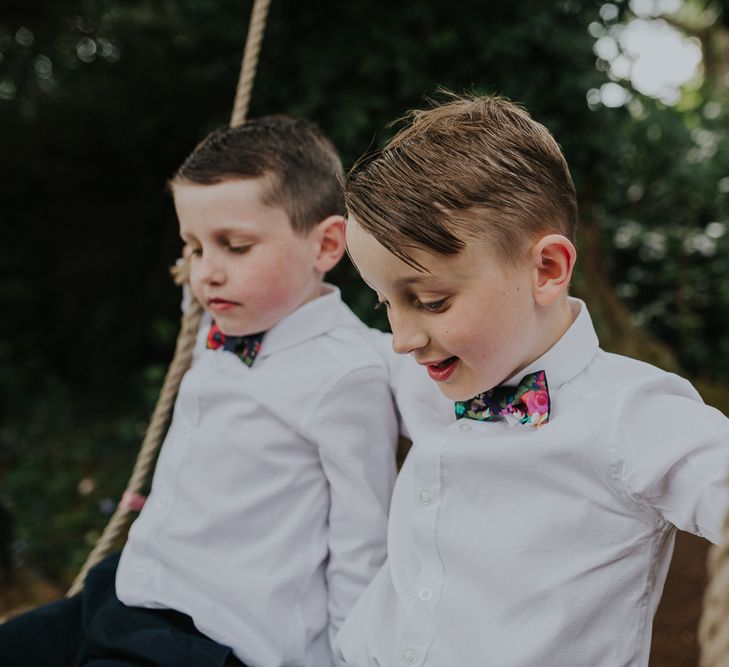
<point>355,429</point>
<point>674,455</point>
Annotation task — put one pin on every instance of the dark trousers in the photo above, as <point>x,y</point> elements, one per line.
<point>94,629</point>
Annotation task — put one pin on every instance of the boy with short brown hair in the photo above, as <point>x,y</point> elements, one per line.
<point>538,528</point>
<point>268,509</point>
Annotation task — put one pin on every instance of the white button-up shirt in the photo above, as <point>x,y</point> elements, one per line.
<point>515,546</point>
<point>268,510</point>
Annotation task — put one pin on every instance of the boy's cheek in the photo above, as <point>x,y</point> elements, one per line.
<point>273,299</point>
<point>195,287</point>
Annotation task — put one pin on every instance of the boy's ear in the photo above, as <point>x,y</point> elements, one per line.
<point>331,243</point>
<point>553,259</point>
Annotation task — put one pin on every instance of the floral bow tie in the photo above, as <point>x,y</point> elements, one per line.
<point>246,347</point>
<point>528,403</point>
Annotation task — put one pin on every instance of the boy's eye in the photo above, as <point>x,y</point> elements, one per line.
<point>195,252</point>
<point>239,249</point>
<point>433,306</point>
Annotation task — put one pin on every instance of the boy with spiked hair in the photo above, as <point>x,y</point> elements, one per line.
<point>537,529</point>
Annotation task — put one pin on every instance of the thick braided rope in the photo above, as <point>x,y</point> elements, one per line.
<point>248,67</point>
<point>714,625</point>
<point>186,339</point>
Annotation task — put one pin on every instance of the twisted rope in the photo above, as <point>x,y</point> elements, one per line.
<point>182,359</point>
<point>714,625</point>
<point>248,67</point>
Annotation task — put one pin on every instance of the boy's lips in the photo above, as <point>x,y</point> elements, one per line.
<point>218,305</point>
<point>440,371</point>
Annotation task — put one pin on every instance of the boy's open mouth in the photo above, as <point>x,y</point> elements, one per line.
<point>445,363</point>
<point>441,371</point>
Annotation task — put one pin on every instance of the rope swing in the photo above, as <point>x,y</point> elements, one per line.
<point>182,359</point>
<point>714,625</point>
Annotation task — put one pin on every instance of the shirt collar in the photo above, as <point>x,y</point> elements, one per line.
<point>310,320</point>
<point>570,354</point>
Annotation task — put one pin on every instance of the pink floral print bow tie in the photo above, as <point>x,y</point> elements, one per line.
<point>528,403</point>
<point>246,347</point>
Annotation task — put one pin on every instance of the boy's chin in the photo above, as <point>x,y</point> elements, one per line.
<point>231,330</point>
<point>459,393</point>
<point>453,393</point>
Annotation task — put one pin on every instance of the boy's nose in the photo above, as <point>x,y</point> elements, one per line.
<point>210,270</point>
<point>407,338</point>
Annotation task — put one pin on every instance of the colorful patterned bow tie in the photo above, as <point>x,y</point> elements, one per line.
<point>246,347</point>
<point>528,403</point>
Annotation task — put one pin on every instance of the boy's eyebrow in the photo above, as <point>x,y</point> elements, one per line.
<point>417,278</point>
<point>236,230</point>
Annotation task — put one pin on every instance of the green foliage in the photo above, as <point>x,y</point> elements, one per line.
<point>64,462</point>
<point>664,209</point>
<point>667,211</point>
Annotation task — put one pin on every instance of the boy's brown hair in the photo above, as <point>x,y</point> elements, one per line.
<point>302,166</point>
<point>470,168</point>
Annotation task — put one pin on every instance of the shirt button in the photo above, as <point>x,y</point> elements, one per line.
<point>409,655</point>
<point>426,497</point>
<point>465,426</point>
<point>160,503</point>
<point>425,594</point>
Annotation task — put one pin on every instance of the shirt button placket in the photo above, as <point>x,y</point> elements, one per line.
<point>426,497</point>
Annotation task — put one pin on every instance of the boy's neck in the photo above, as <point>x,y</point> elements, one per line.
<point>324,289</point>
<point>555,322</point>
<point>314,291</point>
<point>560,320</point>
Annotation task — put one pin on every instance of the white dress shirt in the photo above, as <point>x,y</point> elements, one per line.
<point>515,546</point>
<point>268,510</point>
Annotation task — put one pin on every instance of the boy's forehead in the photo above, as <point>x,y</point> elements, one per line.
<point>233,204</point>
<point>363,246</point>
<point>383,270</point>
<point>375,262</point>
<point>232,193</point>
<point>253,190</point>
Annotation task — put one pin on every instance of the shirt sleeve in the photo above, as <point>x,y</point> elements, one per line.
<point>355,429</point>
<point>421,406</point>
<point>673,455</point>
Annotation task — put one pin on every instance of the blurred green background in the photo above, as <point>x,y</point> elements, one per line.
<point>101,100</point>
